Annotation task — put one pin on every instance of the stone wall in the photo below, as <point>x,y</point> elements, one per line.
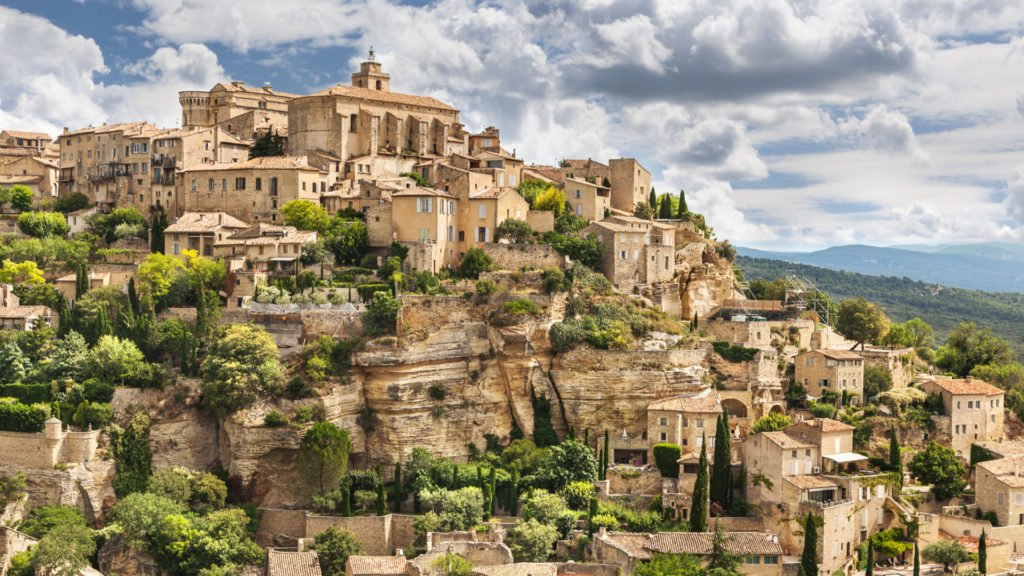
<point>278,525</point>
<point>646,482</point>
<point>333,323</point>
<point>519,256</point>
<point>12,542</point>
<point>379,535</point>
<point>541,220</point>
<point>27,450</point>
<point>425,312</point>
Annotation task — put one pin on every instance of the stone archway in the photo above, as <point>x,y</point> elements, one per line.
<point>777,409</point>
<point>736,408</point>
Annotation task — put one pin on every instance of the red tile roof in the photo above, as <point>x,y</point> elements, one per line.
<point>967,387</point>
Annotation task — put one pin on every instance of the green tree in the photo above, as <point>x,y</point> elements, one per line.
<point>106,224</point>
<point>349,241</point>
<point>869,557</point>
<point>550,509</point>
<point>949,553</point>
<point>551,200</point>
<point>877,379</point>
<point>721,473</point>
<point>133,459</point>
<point>449,564</point>
<point>587,250</point>
<point>665,209</point>
<point>43,519</point>
<point>530,188</point>
<point>14,365</point>
<point>666,457</point>
<point>531,541</point>
<point>938,465</point>
<point>721,561</point>
<point>323,454</point>
<point>42,224</point>
<point>11,488</point>
<point>861,321</point>
<point>71,203</point>
<point>242,365</point>
<point>700,499</point>
<point>460,509</point>
<point>64,551</point>
<point>157,227</point>
<point>652,199</point>
<point>268,144</point>
<point>683,209</point>
<point>644,211</point>
<point>917,560</point>
<point>473,262</point>
<point>139,514</point>
<point>381,314</point>
<point>21,198</point>
<point>117,361</point>
<point>968,346</point>
<point>671,565</point>
<point>81,280</point>
<point>21,273</point>
<point>809,557</point>
<point>571,461</point>
<point>515,231</point>
<point>305,215</point>
<point>157,273</point>
<point>543,430</point>
<point>771,422</point>
<point>333,546</point>
<point>895,454</point>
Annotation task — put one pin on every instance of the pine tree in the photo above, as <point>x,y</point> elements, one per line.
<point>397,490</point>
<point>870,566</point>
<point>983,553</point>
<point>652,200</point>
<point>133,296</point>
<point>665,211</point>
<point>721,473</point>
<point>699,507</point>
<point>917,560</point>
<point>603,472</point>
<point>681,214</point>
<point>809,558</point>
<point>81,280</point>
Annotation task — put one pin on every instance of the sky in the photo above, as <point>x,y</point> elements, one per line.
<point>791,124</point>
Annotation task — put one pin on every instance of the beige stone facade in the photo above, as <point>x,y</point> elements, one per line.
<point>999,488</point>
<point>898,362</point>
<point>974,410</point>
<point>426,221</point>
<point>37,173</point>
<point>835,371</point>
<point>590,201</point>
<point>687,420</point>
<point>631,183</point>
<point>636,251</point>
<point>35,142</point>
<point>199,231</point>
<point>14,316</point>
<point>254,190</point>
<point>240,109</point>
<point>777,456</point>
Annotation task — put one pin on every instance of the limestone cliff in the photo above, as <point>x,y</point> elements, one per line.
<point>705,279</point>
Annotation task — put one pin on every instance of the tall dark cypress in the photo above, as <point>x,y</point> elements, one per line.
<point>397,489</point>
<point>809,558</point>
<point>156,230</point>
<point>81,280</point>
<point>681,214</point>
<point>917,560</point>
<point>699,506</point>
<point>513,500</point>
<point>721,473</point>
<point>983,553</point>
<point>665,211</point>
<point>870,569</point>
<point>604,458</point>
<point>591,512</point>
<point>133,296</point>
<point>652,201</point>
<point>895,458</point>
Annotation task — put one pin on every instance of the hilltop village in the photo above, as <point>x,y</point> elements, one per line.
<point>341,334</point>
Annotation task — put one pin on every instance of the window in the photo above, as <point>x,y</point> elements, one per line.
<point>700,422</point>
<point>579,194</point>
<point>752,559</point>
<point>482,234</point>
<point>212,185</point>
<point>145,167</point>
<point>1018,499</point>
<point>664,436</point>
<point>771,559</point>
<point>193,184</point>
<point>579,209</point>
<point>462,235</point>
<point>259,184</point>
<point>666,262</point>
<point>483,211</point>
<point>424,205</point>
<point>794,453</point>
<point>223,184</point>
<point>662,421</point>
<point>353,123</point>
<point>239,183</point>
<point>273,185</point>
<point>622,255</point>
<point>177,249</point>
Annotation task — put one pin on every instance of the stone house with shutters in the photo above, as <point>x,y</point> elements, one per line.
<point>835,371</point>
<point>588,200</point>
<point>427,226</point>
<point>637,252</point>
<point>761,552</point>
<point>200,231</point>
<point>686,420</point>
<point>999,488</point>
<point>974,411</point>
<point>631,183</point>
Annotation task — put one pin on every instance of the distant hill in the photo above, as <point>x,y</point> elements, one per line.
<point>941,306</point>
<point>995,267</point>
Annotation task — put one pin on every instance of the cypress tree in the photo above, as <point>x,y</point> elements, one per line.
<point>397,490</point>
<point>479,478</point>
<point>606,182</point>
<point>543,431</point>
<point>159,224</point>
<point>102,326</point>
<point>488,501</point>
<point>682,205</point>
<point>809,558</point>
<point>346,501</point>
<point>586,436</point>
<point>591,512</point>
<point>699,507</point>
<point>694,325</point>
<point>917,560</point>
<point>665,212</point>
<point>983,553</point>
<point>895,460</point>
<point>604,458</point>
<point>513,501</point>
<point>652,200</point>
<point>870,569</point>
<point>492,485</point>
<point>721,473</point>
<point>81,280</point>
<point>64,317</point>
<point>133,296</point>
<point>801,572</point>
<point>382,501</point>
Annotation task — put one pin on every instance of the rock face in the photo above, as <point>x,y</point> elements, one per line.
<point>86,486</point>
<point>705,279</point>
<point>115,557</point>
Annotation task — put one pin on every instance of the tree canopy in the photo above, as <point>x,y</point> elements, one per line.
<point>939,466</point>
<point>861,321</point>
<point>243,364</point>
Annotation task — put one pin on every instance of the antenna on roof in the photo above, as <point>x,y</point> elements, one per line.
<point>373,55</point>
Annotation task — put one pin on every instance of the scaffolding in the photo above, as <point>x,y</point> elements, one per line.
<point>804,295</point>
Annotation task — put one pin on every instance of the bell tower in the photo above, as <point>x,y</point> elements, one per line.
<point>370,75</point>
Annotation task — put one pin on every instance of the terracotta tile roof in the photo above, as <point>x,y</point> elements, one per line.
<point>967,387</point>
<point>421,191</point>
<point>25,311</point>
<point>825,425</point>
<point>376,565</point>
<point>28,135</point>
<point>382,96</point>
<point>700,543</point>
<point>292,563</point>
<point>785,441</point>
<point>807,482</point>
<point>204,222</point>
<point>707,401</point>
<point>632,543</point>
<point>519,569</point>
<point>837,354</point>
<point>264,163</point>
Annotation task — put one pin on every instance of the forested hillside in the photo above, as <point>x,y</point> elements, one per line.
<point>941,306</point>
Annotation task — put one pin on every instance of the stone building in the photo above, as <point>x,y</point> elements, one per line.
<point>588,170</point>
<point>636,252</point>
<point>366,120</point>
<point>44,450</point>
<point>631,183</point>
<point>834,440</point>
<point>200,231</point>
<point>777,456</point>
<point>94,161</point>
<point>292,563</point>
<point>237,108</point>
<point>426,224</point>
<point>835,371</point>
<point>686,420</point>
<point>974,411</point>
<point>14,316</point>
<point>376,566</point>
<point>257,253</point>
<point>34,142</point>
<point>898,362</point>
<point>761,552</point>
<point>37,173</point>
<point>253,190</point>
<point>588,200</point>
<point>999,488</point>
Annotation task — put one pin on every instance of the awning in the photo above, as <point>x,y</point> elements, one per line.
<point>846,457</point>
<point>283,259</point>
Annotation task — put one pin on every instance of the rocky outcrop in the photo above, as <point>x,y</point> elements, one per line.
<point>115,557</point>
<point>86,486</point>
<point>705,279</point>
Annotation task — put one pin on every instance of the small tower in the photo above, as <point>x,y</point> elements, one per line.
<point>53,431</point>
<point>370,75</point>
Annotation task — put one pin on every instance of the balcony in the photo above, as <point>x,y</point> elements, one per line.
<point>164,161</point>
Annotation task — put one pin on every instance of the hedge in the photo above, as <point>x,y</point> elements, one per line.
<point>366,291</point>
<point>734,352</point>
<point>18,417</point>
<point>26,393</point>
<point>666,457</point>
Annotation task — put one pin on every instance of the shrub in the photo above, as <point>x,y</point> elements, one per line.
<point>42,224</point>
<point>366,291</point>
<point>381,314</point>
<point>822,410</point>
<point>515,231</point>
<point>578,494</point>
<point>553,280</point>
<point>521,307</point>
<point>26,393</point>
<point>275,418</point>
<point>566,335</point>
<point>93,414</point>
<point>771,422</point>
<point>666,457</point>
<point>486,287</point>
<point>473,262</point>
<point>734,352</point>
<point>437,391</point>
<point>18,417</point>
